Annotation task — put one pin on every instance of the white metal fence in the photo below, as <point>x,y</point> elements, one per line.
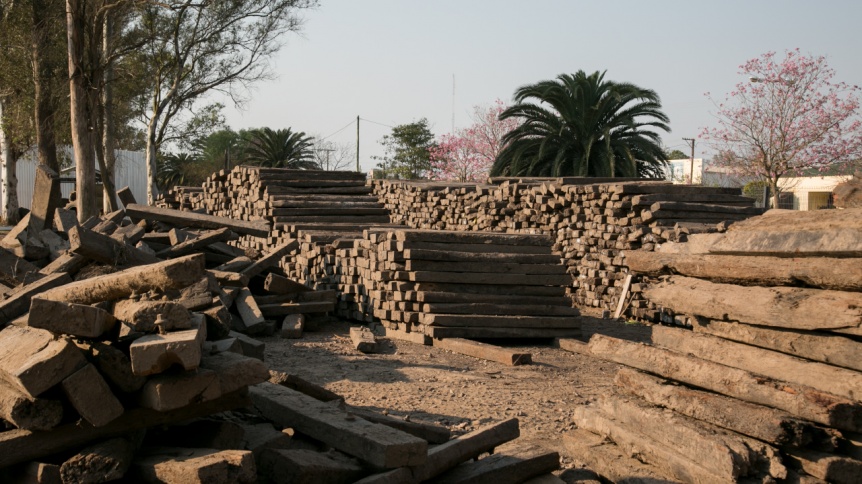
<point>130,170</point>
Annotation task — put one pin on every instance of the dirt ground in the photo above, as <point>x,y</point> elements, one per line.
<point>460,392</point>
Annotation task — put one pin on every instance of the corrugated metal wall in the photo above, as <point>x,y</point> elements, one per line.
<point>131,171</point>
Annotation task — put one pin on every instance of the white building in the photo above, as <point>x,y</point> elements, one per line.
<point>679,171</point>
<point>808,192</point>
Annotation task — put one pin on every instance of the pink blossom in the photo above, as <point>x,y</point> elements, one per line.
<point>792,118</point>
<point>468,154</point>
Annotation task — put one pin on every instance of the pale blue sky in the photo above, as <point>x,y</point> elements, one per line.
<point>392,61</point>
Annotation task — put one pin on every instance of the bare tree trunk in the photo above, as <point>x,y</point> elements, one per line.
<point>10,180</point>
<point>773,187</point>
<point>85,182</point>
<point>44,109</point>
<point>108,141</point>
<point>152,189</point>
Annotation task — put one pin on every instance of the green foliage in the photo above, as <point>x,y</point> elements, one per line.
<point>408,151</point>
<point>676,155</point>
<point>755,189</point>
<point>582,125</point>
<point>280,149</point>
<point>171,169</point>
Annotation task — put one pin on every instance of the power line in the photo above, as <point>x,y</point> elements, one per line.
<point>340,130</point>
<point>375,122</point>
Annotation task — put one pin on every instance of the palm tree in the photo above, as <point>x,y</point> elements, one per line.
<point>280,149</point>
<point>582,125</point>
<point>171,169</point>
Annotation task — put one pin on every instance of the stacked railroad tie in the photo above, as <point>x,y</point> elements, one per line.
<point>444,284</point>
<point>131,369</point>
<point>180,198</point>
<point>593,221</point>
<point>768,384</point>
<point>292,200</point>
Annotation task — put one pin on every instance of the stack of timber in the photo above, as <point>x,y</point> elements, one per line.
<point>445,284</point>
<point>292,200</point>
<point>180,198</point>
<point>592,220</point>
<point>767,383</point>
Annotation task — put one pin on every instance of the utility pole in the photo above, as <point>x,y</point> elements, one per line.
<point>357,143</point>
<point>327,151</point>
<point>690,141</point>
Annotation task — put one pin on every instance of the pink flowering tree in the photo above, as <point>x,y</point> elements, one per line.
<point>468,154</point>
<point>787,117</point>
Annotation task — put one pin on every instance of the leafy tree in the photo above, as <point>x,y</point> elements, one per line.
<point>280,149</point>
<point>469,154</point>
<point>582,125</point>
<point>220,147</point>
<point>408,151</point>
<point>196,47</point>
<point>789,116</point>
<point>676,155</point>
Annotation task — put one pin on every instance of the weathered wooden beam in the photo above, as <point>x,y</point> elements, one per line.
<point>448,455</point>
<point>374,443</point>
<point>482,238</point>
<point>172,274</point>
<point>829,467</point>
<point>783,307</point>
<point>448,256</point>
<point>504,309</point>
<point>13,269</point>
<point>66,318</point>
<point>481,321</point>
<point>820,376</point>
<point>194,244</point>
<point>721,452</point>
<point>507,467</point>
<point>26,412</point>
<point>484,278</point>
<point>301,465</point>
<point>259,228</point>
<point>271,258</point>
<point>607,459</point>
<point>281,285</point>
<point>498,332</point>
<point>797,400</point>
<point>835,241</point>
<point>108,250</point>
<point>46,199</point>
<point>484,267</point>
<point>647,450</point>
<point>767,424</point>
<point>34,360</point>
<point>18,304</point>
<point>464,297</point>
<point>702,208</point>
<point>820,272</point>
<point>126,196</point>
<point>827,348</point>
<point>248,309</point>
<point>484,351</point>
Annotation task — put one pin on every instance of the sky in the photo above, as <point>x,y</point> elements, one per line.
<point>393,61</point>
